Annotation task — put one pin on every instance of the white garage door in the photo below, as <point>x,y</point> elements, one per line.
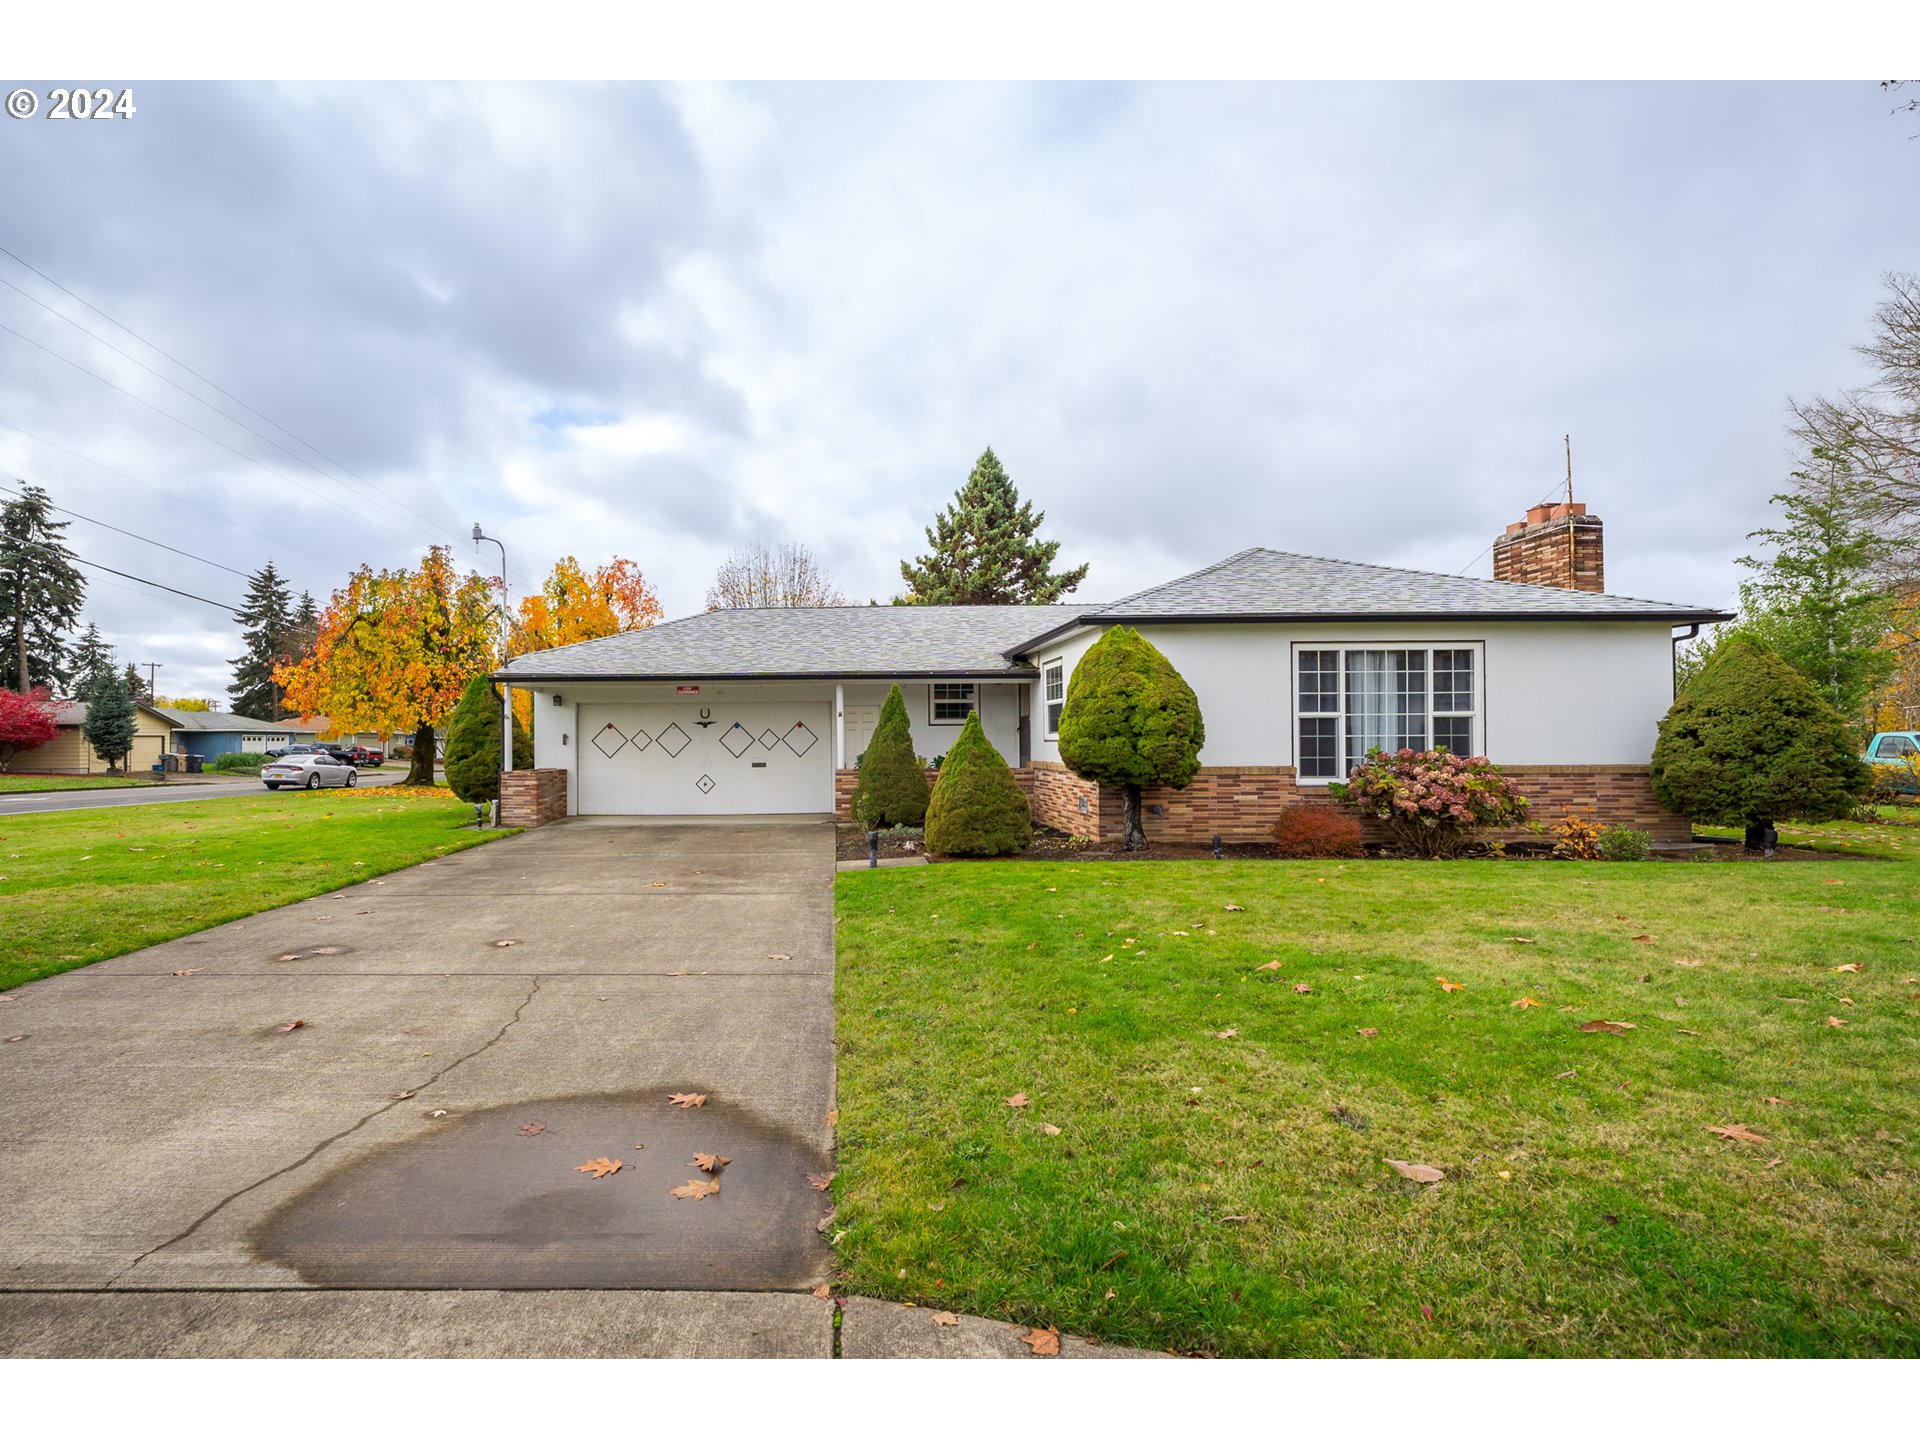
<point>718,759</point>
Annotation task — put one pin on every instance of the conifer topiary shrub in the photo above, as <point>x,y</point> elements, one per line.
<point>893,783</point>
<point>1750,742</point>
<point>1130,720</point>
<point>977,808</point>
<point>473,743</point>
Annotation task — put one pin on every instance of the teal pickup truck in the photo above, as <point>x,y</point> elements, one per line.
<point>1897,747</point>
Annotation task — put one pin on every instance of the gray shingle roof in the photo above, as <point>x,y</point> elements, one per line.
<point>225,720</point>
<point>877,641</point>
<point>1275,585</point>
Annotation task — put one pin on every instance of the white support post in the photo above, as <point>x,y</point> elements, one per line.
<point>506,728</point>
<point>839,727</point>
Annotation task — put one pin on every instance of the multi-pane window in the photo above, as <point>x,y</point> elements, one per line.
<point>951,703</point>
<point>1355,700</point>
<point>1053,682</point>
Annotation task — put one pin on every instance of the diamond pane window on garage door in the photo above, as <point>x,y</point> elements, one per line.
<point>609,742</point>
<point>800,739</point>
<point>769,739</point>
<point>673,739</point>
<point>704,784</point>
<point>737,740</point>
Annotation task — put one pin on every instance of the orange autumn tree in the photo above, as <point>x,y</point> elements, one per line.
<point>575,605</point>
<point>395,649</point>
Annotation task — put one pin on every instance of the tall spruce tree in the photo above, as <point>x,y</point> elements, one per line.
<point>306,626</point>
<point>110,719</point>
<point>92,658</point>
<point>41,590</point>
<point>266,624</point>
<point>985,550</point>
<point>137,687</point>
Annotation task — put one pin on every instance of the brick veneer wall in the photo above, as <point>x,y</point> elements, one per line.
<point>533,797</point>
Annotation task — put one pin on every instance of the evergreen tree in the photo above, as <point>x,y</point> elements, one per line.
<point>985,551</point>
<point>1818,599</point>
<point>1751,741</point>
<point>137,688</point>
<point>110,719</point>
<point>893,784</point>
<point>1130,720</point>
<point>92,658</point>
<point>266,624</point>
<point>977,808</point>
<point>40,591</point>
<point>473,743</point>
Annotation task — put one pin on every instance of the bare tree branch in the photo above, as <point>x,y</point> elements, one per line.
<point>759,576</point>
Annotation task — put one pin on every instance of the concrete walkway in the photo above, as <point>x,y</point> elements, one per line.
<point>164,1133</point>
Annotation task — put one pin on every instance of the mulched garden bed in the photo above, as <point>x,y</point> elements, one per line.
<point>1048,844</point>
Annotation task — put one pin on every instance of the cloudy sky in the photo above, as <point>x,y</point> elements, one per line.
<point>659,322</point>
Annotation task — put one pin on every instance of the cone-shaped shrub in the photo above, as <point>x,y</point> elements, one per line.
<point>893,784</point>
<point>473,743</point>
<point>1750,741</point>
<point>978,808</point>
<point>1130,720</point>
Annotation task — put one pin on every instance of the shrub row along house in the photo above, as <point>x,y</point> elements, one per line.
<point>1301,665</point>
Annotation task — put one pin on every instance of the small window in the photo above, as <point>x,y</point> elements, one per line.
<point>1895,747</point>
<point>1053,683</point>
<point>950,703</point>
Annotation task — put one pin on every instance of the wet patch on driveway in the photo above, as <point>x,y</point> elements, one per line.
<point>485,1201</point>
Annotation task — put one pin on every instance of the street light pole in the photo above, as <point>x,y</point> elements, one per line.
<point>506,652</point>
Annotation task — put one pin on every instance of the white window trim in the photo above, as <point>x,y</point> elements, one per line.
<point>1478,713</point>
<point>973,702</point>
<point>1046,701</point>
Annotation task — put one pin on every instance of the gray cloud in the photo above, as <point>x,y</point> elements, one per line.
<point>657,322</point>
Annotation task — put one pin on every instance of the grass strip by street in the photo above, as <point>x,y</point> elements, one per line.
<point>85,885</point>
<point>36,784</point>
<point>1894,835</point>
<point>1218,1178</point>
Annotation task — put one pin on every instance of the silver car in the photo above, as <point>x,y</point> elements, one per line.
<point>309,772</point>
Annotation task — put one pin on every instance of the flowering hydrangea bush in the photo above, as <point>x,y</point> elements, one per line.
<point>1431,801</point>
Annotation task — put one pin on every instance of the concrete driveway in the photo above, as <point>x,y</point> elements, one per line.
<point>163,1132</point>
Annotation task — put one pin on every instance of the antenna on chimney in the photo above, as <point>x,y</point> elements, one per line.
<point>1569,439</point>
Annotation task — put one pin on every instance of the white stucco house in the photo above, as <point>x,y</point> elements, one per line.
<point>1301,664</point>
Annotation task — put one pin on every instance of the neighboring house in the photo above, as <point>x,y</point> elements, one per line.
<point>1301,665</point>
<point>208,733</point>
<point>68,753</point>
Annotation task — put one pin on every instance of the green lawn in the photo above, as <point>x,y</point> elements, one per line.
<point>31,784</point>
<point>1895,837</point>
<point>1229,1192</point>
<point>88,884</point>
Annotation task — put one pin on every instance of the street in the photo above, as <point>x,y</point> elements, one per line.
<point>50,800</point>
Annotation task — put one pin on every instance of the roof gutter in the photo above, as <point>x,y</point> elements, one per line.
<point>1430,617</point>
<point>509,677</point>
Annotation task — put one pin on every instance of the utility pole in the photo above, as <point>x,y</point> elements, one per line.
<point>153,692</point>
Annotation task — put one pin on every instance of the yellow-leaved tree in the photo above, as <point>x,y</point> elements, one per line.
<point>394,649</point>
<point>575,604</point>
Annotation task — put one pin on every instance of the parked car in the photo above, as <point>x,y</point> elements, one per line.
<point>309,771</point>
<point>362,758</point>
<point>1897,747</point>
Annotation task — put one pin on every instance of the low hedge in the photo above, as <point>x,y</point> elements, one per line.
<point>237,762</point>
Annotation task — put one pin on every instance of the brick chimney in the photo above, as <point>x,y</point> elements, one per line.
<point>1557,545</point>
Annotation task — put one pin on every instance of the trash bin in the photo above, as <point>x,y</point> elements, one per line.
<point>194,762</point>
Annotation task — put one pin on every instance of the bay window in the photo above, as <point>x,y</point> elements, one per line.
<point>1352,700</point>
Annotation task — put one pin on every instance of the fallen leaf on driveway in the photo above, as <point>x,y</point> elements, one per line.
<point>945,1317</point>
<point>779,957</point>
<point>14,1039</point>
<point>282,959</point>
<point>687,1102</point>
<point>823,1292</point>
<point>403,1094</point>
<point>1049,1129</point>
<point>504,944</point>
<point>671,974</point>
<point>1448,985</point>
<point>536,1128</point>
<point>1611,1027</point>
<point>1852,967</point>
<point>820,1182</point>
<point>178,974</point>
<point>1526,1002</point>
<point>1425,1174</point>
<point>1738,1131</point>
<point>1047,1341</point>
<point>1271,965</point>
<point>600,1169</point>
<point>290,1026</point>
<point>1018,1100</point>
<point>709,1163</point>
<point>695,1190</point>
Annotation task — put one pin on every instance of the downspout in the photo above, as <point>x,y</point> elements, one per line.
<point>1692,630</point>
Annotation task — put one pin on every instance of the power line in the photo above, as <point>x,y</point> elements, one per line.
<point>143,539</point>
<point>1496,539</point>
<point>124,575</point>
<point>433,525</point>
